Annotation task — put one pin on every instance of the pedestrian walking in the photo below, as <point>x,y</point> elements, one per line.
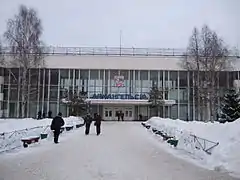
<point>87,122</point>
<point>56,125</point>
<point>97,123</point>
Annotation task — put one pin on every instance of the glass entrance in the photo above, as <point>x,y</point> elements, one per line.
<point>108,114</point>
<point>118,113</point>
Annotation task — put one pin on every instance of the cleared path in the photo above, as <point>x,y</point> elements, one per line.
<point>122,152</point>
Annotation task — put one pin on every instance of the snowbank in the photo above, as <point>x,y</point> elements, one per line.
<point>13,130</point>
<point>224,156</point>
<point>9,125</point>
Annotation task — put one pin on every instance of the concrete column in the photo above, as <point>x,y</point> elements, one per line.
<point>169,107</point>
<point>59,86</point>
<point>79,80</point>
<point>109,82</point>
<point>163,93</point>
<point>19,89</point>
<point>104,82</point>
<point>194,108</point>
<point>134,83</point>
<point>29,85</point>
<point>8,97</point>
<point>188,95</point>
<point>178,104</point>
<point>42,108</point>
<point>73,80</point>
<point>38,90</point>
<point>49,84</point>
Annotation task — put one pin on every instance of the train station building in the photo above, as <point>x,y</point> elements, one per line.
<point>114,79</point>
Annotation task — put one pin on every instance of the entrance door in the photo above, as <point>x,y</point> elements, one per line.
<point>117,110</point>
<point>108,113</point>
<point>128,114</point>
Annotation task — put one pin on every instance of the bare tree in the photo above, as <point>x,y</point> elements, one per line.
<point>1,55</point>
<point>206,56</point>
<point>23,35</point>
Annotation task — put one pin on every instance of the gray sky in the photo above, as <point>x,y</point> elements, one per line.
<point>144,23</point>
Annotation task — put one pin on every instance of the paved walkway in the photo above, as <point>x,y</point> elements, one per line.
<point>122,152</point>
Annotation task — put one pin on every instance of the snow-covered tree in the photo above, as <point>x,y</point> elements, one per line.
<point>76,101</point>
<point>1,54</point>
<point>23,36</point>
<point>155,97</point>
<point>230,110</point>
<point>207,55</point>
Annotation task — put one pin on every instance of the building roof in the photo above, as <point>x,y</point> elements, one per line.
<point>116,58</point>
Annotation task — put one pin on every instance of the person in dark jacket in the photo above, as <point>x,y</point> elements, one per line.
<point>56,125</point>
<point>97,123</point>
<point>87,122</point>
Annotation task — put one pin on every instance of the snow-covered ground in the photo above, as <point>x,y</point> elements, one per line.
<point>13,130</point>
<point>224,157</point>
<point>124,151</point>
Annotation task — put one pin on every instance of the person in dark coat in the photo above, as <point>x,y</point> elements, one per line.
<point>87,122</point>
<point>39,116</point>
<point>118,115</point>
<point>97,123</point>
<point>44,115</point>
<point>122,116</point>
<point>56,125</point>
<point>49,114</point>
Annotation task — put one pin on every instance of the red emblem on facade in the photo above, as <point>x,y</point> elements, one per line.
<point>119,81</point>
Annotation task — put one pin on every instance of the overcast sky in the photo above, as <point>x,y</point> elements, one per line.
<point>144,23</point>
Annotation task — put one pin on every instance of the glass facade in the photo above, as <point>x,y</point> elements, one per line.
<point>47,87</point>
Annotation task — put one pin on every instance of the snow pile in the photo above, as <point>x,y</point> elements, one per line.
<point>13,130</point>
<point>224,156</point>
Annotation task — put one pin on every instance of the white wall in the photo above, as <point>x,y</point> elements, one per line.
<point>113,62</point>
<point>118,62</point>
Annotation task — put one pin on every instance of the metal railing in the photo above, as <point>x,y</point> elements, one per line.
<point>108,51</point>
<point>204,144</point>
<point>196,142</point>
<point>12,140</point>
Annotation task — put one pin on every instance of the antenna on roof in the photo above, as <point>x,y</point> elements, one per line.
<point>120,47</point>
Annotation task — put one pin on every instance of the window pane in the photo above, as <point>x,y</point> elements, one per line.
<point>183,79</point>
<point>54,77</point>
<point>94,74</point>
<point>143,75</point>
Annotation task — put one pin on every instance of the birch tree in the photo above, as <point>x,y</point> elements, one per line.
<point>206,56</point>
<point>23,36</point>
<point>1,54</point>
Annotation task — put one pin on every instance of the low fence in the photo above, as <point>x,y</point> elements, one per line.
<point>108,51</point>
<point>187,141</point>
<point>114,51</point>
<point>204,144</point>
<point>12,140</point>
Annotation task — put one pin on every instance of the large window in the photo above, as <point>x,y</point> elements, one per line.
<point>232,76</point>
<point>64,78</point>
<point>223,79</point>
<point>46,76</point>
<point>54,77</point>
<point>34,80</point>
<point>143,75</point>
<point>183,79</point>
<point>14,76</point>
<point>53,93</point>
<point>160,83</point>
<point>94,74</point>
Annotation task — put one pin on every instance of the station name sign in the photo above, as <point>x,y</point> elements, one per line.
<point>119,96</point>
